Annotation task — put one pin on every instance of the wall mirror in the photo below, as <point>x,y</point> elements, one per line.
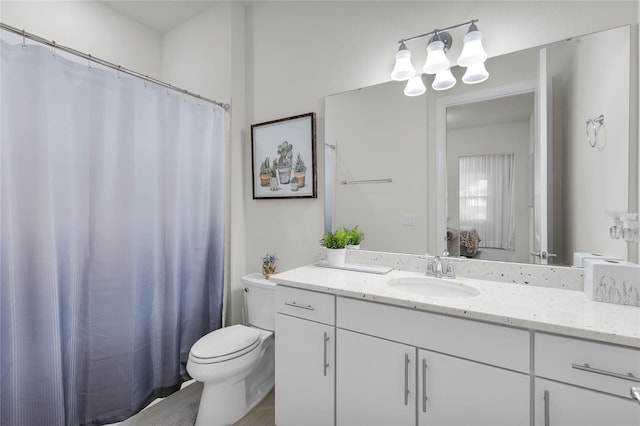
<point>415,174</point>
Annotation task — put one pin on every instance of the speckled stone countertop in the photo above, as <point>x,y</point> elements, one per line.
<point>538,308</point>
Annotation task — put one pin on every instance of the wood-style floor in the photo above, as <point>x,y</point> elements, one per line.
<point>264,414</point>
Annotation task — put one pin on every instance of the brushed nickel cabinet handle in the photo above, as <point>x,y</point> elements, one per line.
<point>325,363</point>
<point>589,369</point>
<point>547,421</point>
<point>424,385</point>
<point>406,379</point>
<point>295,305</point>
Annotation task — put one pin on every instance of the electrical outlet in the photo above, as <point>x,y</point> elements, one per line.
<point>409,220</point>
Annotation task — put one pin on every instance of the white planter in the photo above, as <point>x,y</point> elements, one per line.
<point>335,257</point>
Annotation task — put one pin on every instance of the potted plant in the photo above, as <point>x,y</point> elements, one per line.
<point>265,173</point>
<point>300,170</point>
<point>335,243</point>
<point>285,161</point>
<point>269,265</point>
<point>273,181</point>
<point>355,238</point>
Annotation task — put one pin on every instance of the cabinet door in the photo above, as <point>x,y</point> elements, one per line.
<point>305,372</point>
<point>453,391</point>
<point>558,404</point>
<point>376,381</point>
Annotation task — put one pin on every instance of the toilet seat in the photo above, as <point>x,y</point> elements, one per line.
<point>225,344</point>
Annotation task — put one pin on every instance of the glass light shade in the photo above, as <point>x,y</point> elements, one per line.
<point>415,86</point>
<point>444,80</point>
<point>472,52</point>
<point>403,70</point>
<point>436,58</point>
<point>476,73</point>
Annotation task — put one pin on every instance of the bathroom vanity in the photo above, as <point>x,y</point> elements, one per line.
<point>351,349</point>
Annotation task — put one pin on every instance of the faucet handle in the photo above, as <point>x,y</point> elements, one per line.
<point>445,253</point>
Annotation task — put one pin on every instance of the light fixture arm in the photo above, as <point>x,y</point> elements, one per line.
<point>436,31</point>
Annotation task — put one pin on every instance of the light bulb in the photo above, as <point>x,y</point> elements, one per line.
<point>476,73</point>
<point>403,69</point>
<point>472,52</point>
<point>415,86</point>
<point>444,80</point>
<point>436,58</point>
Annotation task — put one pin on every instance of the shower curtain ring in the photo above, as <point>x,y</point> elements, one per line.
<point>89,62</point>
<point>24,40</point>
<point>53,49</point>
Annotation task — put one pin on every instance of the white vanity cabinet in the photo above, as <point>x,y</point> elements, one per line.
<point>454,391</point>
<point>305,358</point>
<point>582,383</point>
<point>399,366</point>
<point>376,381</point>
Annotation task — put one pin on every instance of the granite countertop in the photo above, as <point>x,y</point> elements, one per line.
<point>553,310</point>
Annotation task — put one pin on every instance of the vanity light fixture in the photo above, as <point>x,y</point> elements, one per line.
<point>472,57</point>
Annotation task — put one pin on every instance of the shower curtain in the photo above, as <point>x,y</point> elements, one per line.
<point>111,238</point>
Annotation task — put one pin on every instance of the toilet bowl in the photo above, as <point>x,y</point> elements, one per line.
<point>236,363</point>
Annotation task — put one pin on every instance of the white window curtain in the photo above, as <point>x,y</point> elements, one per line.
<point>487,198</point>
<point>111,238</point>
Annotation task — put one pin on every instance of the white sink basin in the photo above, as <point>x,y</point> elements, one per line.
<point>433,287</point>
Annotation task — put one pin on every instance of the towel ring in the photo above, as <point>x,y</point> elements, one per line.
<point>591,124</point>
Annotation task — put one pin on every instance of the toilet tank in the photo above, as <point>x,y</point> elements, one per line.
<point>260,301</point>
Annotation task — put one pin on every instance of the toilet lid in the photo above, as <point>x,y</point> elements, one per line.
<point>224,344</point>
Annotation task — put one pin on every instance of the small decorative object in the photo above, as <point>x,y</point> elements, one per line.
<point>265,173</point>
<point>335,243</point>
<point>355,238</point>
<point>276,140</point>
<point>299,171</point>
<point>269,265</point>
<point>285,151</point>
<point>294,183</point>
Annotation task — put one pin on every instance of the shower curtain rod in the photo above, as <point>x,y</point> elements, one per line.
<point>102,62</point>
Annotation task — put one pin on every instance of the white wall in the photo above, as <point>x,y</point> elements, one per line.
<point>89,27</point>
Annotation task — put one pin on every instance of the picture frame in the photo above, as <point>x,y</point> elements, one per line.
<point>283,158</point>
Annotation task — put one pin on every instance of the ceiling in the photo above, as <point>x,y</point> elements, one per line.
<point>160,16</point>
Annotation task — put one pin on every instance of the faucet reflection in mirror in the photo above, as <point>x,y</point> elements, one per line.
<point>472,57</point>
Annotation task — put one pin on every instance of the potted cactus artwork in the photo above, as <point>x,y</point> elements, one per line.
<point>265,173</point>
<point>285,161</point>
<point>283,158</point>
<point>300,170</point>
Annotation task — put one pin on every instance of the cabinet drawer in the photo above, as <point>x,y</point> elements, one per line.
<point>588,364</point>
<point>504,347</point>
<point>306,304</point>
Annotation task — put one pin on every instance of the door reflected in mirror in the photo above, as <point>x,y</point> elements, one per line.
<point>490,146</point>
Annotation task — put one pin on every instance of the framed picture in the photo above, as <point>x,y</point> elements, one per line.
<point>283,158</point>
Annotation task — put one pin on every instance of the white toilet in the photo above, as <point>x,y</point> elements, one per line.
<point>236,363</point>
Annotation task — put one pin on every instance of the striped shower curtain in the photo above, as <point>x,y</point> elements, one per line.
<point>111,238</point>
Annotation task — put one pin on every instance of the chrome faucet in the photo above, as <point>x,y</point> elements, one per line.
<point>436,268</point>
<point>635,393</point>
